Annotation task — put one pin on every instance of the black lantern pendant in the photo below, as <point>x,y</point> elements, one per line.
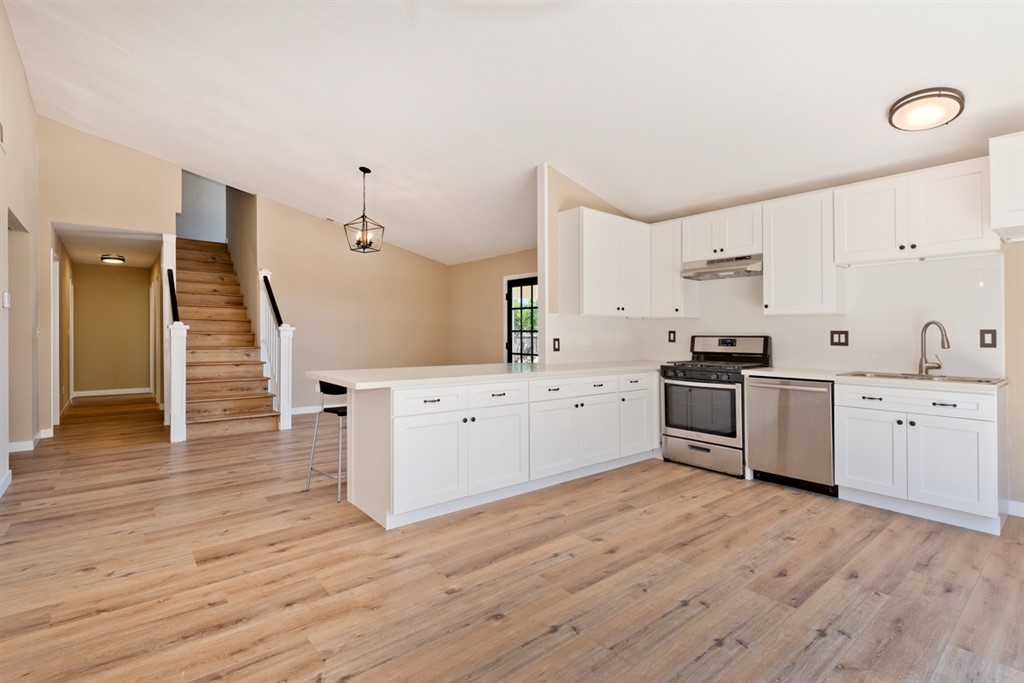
<point>364,234</point>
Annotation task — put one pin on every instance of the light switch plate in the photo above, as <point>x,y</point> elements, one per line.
<point>839,338</point>
<point>556,344</point>
<point>672,336</point>
<point>988,339</point>
<point>7,300</point>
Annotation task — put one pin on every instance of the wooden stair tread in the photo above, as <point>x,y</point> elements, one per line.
<point>211,363</point>
<point>228,418</point>
<point>220,398</point>
<point>214,380</point>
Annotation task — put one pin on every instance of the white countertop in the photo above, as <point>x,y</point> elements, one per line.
<point>384,378</point>
<point>907,383</point>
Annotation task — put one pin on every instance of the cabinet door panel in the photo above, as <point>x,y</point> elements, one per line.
<point>799,266</point>
<point>871,221</point>
<point>634,269</point>
<point>637,422</point>
<point>598,423</point>
<point>1006,161</point>
<point>949,210</point>
<point>599,240</point>
<point>666,265</point>
<point>740,231</point>
<point>498,447</point>
<point>552,437</point>
<point>871,451</point>
<point>429,460</point>
<point>951,464</point>
<point>699,238</point>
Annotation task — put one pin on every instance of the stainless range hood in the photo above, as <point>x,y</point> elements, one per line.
<point>720,269</point>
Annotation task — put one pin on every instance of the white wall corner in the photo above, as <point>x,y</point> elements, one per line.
<point>1016,508</point>
<point>5,481</point>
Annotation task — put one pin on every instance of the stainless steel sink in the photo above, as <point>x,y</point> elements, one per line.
<point>928,378</point>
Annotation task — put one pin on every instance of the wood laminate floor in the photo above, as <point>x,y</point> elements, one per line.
<point>126,558</point>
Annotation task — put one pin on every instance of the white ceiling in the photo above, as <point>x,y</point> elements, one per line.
<point>86,243</point>
<point>663,109</point>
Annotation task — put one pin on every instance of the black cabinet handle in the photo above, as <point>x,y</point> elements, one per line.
<point>902,247</point>
<point>498,395</point>
<point>634,381</point>
<point>554,388</point>
<point>599,385</point>
<point>472,419</point>
<point>871,398</point>
<point>576,405</point>
<point>623,400</point>
<point>581,405</point>
<point>464,420</point>
<point>943,405</point>
<point>899,422</point>
<point>677,310</point>
<point>913,246</point>
<point>766,305</point>
<point>431,400</point>
<point>913,424</point>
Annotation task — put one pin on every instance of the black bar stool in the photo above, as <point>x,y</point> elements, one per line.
<point>327,389</point>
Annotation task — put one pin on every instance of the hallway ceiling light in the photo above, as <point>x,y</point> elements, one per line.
<point>926,109</point>
<point>112,258</point>
<point>364,234</point>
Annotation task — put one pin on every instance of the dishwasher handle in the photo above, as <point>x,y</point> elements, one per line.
<point>789,387</point>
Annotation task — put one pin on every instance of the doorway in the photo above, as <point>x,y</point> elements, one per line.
<point>521,319</point>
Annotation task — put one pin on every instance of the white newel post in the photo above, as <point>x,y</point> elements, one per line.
<point>284,349</point>
<point>179,331</point>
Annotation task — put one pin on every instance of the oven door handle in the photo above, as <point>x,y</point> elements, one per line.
<point>705,385</point>
<point>789,387</point>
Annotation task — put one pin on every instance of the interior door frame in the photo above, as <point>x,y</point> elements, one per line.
<point>55,337</point>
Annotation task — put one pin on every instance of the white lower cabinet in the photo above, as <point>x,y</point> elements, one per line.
<point>553,437</point>
<point>911,445</point>
<point>597,427</point>
<point>445,456</point>
<point>638,420</point>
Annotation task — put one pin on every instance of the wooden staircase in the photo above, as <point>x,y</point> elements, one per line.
<point>226,391</point>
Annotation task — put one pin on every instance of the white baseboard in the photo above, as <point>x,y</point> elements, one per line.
<point>45,434</point>
<point>1016,508</point>
<point>21,446</point>
<point>5,481</point>
<point>112,392</point>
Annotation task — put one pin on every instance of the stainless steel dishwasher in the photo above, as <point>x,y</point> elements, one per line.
<point>789,432</point>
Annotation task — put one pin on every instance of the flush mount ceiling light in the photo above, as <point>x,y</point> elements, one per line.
<point>925,109</point>
<point>364,234</point>
<point>112,258</point>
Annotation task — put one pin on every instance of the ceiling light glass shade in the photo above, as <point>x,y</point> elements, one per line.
<point>364,234</point>
<point>928,108</point>
<point>112,258</point>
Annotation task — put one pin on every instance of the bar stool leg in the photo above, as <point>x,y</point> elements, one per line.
<point>342,449</point>
<point>312,449</point>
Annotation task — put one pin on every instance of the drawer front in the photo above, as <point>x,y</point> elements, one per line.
<point>599,384</point>
<point>497,394</point>
<point>548,389</point>
<point>637,380</point>
<point>922,402</point>
<point>424,401</point>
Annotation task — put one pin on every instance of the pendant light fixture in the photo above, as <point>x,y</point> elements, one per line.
<point>364,234</point>
<point>112,258</point>
<point>926,109</point>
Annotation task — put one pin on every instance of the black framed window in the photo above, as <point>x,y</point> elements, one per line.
<point>521,343</point>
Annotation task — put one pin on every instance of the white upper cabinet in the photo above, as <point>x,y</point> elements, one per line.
<point>799,268</point>
<point>728,233</point>
<point>872,222</point>
<point>603,264</point>
<point>941,211</point>
<point>949,210</point>
<point>671,295</point>
<point>1006,159</point>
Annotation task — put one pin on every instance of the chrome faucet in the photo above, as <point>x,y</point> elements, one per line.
<point>924,365</point>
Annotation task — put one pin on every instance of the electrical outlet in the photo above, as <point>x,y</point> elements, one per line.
<point>988,339</point>
<point>672,336</point>
<point>839,338</point>
<point>556,344</point>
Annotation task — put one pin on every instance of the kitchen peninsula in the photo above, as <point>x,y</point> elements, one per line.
<point>426,441</point>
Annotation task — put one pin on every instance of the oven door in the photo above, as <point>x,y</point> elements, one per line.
<point>703,411</point>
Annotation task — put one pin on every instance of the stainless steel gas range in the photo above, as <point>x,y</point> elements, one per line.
<point>702,401</point>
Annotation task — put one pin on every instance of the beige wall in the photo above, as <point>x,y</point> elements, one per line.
<point>240,222</point>
<point>19,195</point>
<point>350,310</point>
<point>1014,283</point>
<point>477,306</point>
<point>111,328</point>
